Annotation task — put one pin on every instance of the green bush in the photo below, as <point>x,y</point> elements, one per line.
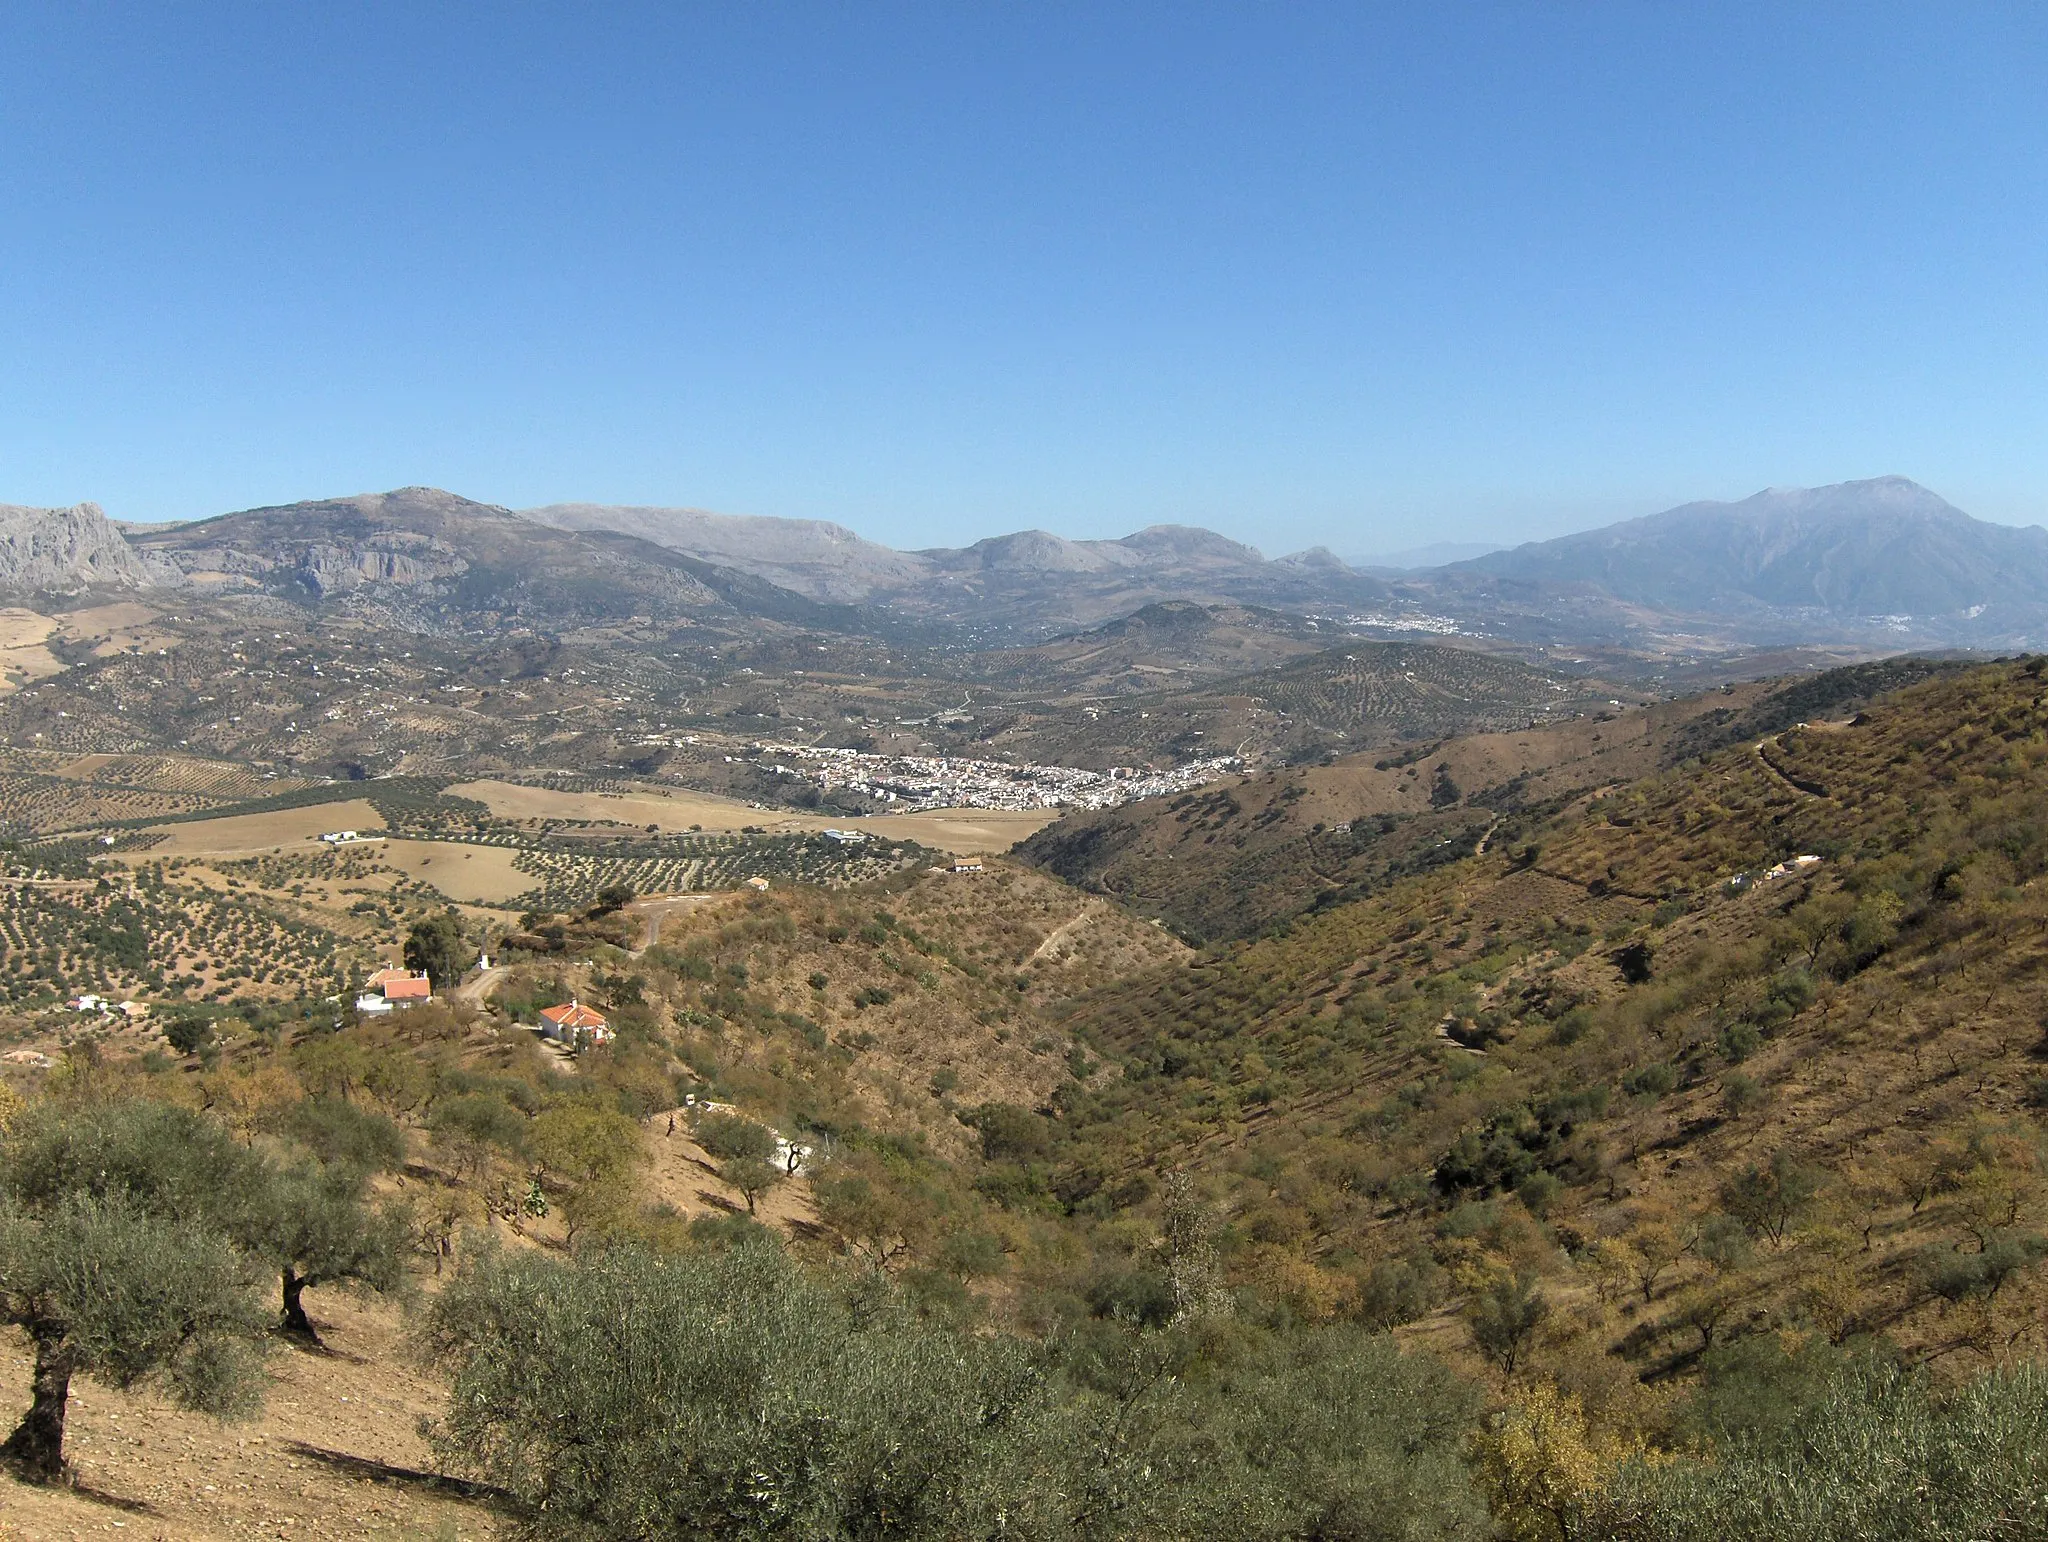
<point>727,1394</point>
<point>1876,1454</point>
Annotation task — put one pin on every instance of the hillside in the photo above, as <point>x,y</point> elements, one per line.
<point>809,556</point>
<point>1619,1106</point>
<point>1167,645</point>
<point>428,558</point>
<point>1324,703</point>
<point>1252,850</point>
<point>1028,584</point>
<point>1689,1097</point>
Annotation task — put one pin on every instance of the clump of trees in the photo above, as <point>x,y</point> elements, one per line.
<point>438,946</point>
<point>726,1394</point>
<point>1862,1447</point>
<point>135,1242</point>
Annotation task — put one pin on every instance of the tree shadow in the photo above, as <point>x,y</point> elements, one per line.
<point>318,1348</point>
<point>368,1469</point>
<point>71,1483</point>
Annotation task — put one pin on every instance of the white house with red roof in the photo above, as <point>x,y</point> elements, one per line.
<point>391,987</point>
<point>574,1024</point>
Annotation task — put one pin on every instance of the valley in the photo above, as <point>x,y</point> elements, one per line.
<point>1140,1021</point>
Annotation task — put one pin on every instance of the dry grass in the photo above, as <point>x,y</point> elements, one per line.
<point>116,628</point>
<point>243,834</point>
<point>672,810</point>
<point>23,656</point>
<point>473,875</point>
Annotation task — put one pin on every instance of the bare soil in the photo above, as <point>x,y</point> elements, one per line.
<point>335,1451</point>
<point>246,834</point>
<point>966,831</point>
<point>476,875</point>
<point>23,656</point>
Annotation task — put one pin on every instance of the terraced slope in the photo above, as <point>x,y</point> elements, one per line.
<point>1236,858</point>
<point>1688,1098</point>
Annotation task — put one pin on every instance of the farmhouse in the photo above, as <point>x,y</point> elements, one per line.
<point>574,1024</point>
<point>399,987</point>
<point>967,865</point>
<point>757,883</point>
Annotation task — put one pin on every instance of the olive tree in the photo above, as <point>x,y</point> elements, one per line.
<point>336,1130</point>
<point>595,1154</point>
<point>118,1260</point>
<point>318,1229</point>
<point>744,1151</point>
<point>729,1395</point>
<point>1878,1451</point>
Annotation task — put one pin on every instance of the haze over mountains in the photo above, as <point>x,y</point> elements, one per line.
<point>1030,582</point>
<point>1887,546</point>
<point>1882,563</point>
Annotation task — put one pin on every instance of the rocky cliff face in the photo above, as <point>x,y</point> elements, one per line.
<point>67,551</point>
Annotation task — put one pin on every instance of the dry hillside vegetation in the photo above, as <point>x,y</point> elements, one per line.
<point>1231,859</point>
<point>1626,1111</point>
<point>899,1007</point>
<point>858,1021</point>
<point>1625,1071</point>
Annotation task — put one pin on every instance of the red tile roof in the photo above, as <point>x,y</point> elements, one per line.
<point>573,1015</point>
<point>406,987</point>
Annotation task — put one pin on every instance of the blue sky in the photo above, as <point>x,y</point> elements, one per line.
<point>1362,275</point>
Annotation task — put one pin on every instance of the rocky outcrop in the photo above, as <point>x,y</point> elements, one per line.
<point>328,568</point>
<point>70,551</point>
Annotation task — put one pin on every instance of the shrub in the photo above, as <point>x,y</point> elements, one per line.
<point>1651,1081</point>
<point>726,1394</point>
<point>1877,1453</point>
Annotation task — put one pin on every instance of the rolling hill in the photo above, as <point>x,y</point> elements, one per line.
<point>1029,584</point>
<point>1250,851</point>
<point>1746,1047</point>
<point>1314,705</point>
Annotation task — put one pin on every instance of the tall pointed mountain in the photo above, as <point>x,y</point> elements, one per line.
<point>1883,547</point>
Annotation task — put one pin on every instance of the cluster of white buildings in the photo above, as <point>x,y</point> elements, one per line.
<point>1404,621</point>
<point>937,781</point>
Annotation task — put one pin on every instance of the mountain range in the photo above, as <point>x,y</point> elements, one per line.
<point>1877,563</point>
<point>1030,582</point>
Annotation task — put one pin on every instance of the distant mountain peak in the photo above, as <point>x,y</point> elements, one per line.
<point>1881,546</point>
<point>1190,541</point>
